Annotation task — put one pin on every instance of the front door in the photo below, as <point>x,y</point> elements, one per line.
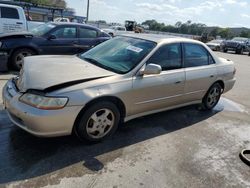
<point>10,21</point>
<point>64,43</point>
<point>154,92</point>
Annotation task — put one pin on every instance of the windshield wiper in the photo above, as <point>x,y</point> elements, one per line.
<point>97,63</point>
<point>91,60</point>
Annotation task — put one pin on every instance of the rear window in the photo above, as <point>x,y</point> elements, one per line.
<point>10,13</point>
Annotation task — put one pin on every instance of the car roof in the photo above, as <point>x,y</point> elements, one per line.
<point>74,24</point>
<point>160,38</point>
<point>10,6</point>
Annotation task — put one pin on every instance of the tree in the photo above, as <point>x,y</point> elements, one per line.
<point>56,3</point>
<point>225,33</point>
<point>245,34</point>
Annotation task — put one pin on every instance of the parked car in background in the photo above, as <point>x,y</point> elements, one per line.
<point>121,79</point>
<point>13,19</point>
<point>237,44</point>
<point>215,45</point>
<point>115,30</point>
<point>61,19</point>
<point>51,38</point>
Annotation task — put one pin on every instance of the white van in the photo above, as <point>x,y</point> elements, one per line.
<point>12,19</point>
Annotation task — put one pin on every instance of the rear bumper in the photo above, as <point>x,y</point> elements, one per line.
<point>229,85</point>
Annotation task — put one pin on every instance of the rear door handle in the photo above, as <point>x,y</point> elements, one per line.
<point>178,82</point>
<point>19,23</point>
<point>211,76</point>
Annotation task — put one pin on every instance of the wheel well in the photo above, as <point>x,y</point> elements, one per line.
<point>221,84</point>
<point>115,100</point>
<point>24,47</point>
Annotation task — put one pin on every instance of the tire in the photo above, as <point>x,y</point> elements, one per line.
<point>212,97</point>
<point>240,51</point>
<point>17,57</point>
<point>225,50</point>
<point>98,122</point>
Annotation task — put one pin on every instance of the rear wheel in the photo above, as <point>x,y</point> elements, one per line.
<point>212,97</point>
<point>17,57</point>
<point>98,122</point>
<point>225,50</point>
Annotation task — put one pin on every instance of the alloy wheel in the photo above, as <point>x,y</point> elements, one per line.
<point>100,123</point>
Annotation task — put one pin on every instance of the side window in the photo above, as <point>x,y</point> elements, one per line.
<point>168,57</point>
<point>211,59</point>
<point>87,33</point>
<point>10,13</point>
<point>65,32</point>
<point>195,55</point>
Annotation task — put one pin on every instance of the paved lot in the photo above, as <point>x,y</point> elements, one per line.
<point>178,148</point>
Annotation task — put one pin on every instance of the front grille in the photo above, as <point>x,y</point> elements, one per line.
<point>232,44</point>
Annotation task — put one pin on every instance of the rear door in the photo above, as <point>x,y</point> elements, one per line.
<point>65,41</point>
<point>88,38</point>
<point>200,71</point>
<point>10,20</point>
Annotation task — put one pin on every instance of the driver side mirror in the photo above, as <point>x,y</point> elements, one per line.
<point>151,69</point>
<point>51,37</point>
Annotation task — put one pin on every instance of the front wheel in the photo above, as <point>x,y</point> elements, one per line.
<point>212,97</point>
<point>17,58</point>
<point>98,122</point>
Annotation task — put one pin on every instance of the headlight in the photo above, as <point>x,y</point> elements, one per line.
<point>42,102</point>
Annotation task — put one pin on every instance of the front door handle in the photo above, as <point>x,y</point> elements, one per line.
<point>211,76</point>
<point>178,82</point>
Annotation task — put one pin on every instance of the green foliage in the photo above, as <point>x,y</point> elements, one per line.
<point>245,34</point>
<point>56,3</point>
<point>184,28</point>
<point>194,29</point>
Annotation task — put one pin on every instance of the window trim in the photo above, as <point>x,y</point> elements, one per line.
<point>208,54</point>
<point>181,56</point>
<point>63,26</point>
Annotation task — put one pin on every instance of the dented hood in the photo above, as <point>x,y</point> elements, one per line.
<point>44,72</point>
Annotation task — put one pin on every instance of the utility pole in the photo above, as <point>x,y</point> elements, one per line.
<point>87,18</point>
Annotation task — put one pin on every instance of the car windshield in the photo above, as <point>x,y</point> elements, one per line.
<point>42,29</point>
<point>120,54</point>
<point>239,39</point>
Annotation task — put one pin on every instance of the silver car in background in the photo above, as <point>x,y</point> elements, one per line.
<point>215,45</point>
<point>124,78</point>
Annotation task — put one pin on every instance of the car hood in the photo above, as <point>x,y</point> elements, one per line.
<point>44,72</point>
<point>16,34</point>
<point>213,44</point>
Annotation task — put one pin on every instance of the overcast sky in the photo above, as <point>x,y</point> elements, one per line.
<point>227,13</point>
